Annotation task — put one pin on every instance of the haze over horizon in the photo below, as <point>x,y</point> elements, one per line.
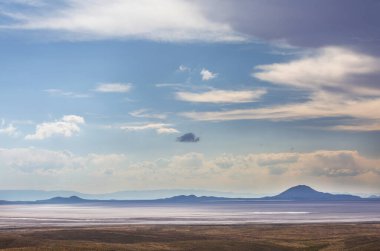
<point>249,96</point>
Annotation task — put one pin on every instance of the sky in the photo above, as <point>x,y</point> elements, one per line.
<point>250,96</point>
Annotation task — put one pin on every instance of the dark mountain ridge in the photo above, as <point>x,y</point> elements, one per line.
<point>60,200</point>
<point>303,192</point>
<point>300,193</point>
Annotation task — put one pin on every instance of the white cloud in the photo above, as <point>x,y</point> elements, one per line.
<point>257,171</point>
<point>166,130</point>
<point>114,88</point>
<point>106,164</point>
<point>335,164</point>
<point>339,170</point>
<point>67,126</point>
<point>170,20</point>
<point>57,162</point>
<point>184,68</point>
<point>363,127</point>
<point>59,92</point>
<point>9,129</point>
<point>207,75</point>
<point>38,160</point>
<point>173,85</point>
<point>329,67</point>
<point>366,112</point>
<point>221,96</point>
<point>73,119</point>
<point>330,76</point>
<point>160,128</point>
<point>143,113</point>
<point>321,105</point>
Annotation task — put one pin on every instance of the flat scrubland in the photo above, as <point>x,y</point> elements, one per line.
<point>358,236</point>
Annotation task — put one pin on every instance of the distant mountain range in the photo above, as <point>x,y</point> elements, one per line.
<point>297,193</point>
<point>32,195</point>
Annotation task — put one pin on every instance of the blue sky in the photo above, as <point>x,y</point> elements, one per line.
<point>95,95</point>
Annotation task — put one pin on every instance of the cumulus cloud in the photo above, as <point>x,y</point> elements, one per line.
<point>67,126</point>
<point>333,170</point>
<point>258,172</point>
<point>190,161</point>
<point>160,128</point>
<point>114,88</point>
<point>274,159</point>
<point>221,96</point>
<point>188,137</point>
<point>335,164</point>
<point>207,75</point>
<point>8,129</point>
<point>38,160</point>
<point>44,161</point>
<point>171,20</point>
<point>73,119</point>
<point>105,164</point>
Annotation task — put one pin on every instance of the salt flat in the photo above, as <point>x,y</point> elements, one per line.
<point>16,216</point>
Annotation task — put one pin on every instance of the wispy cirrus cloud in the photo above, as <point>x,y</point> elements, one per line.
<point>113,88</point>
<point>366,126</point>
<point>68,94</point>
<point>320,105</point>
<point>330,76</point>
<point>144,113</point>
<point>160,128</point>
<point>103,88</point>
<point>67,126</point>
<point>172,85</point>
<point>221,96</point>
<point>327,68</point>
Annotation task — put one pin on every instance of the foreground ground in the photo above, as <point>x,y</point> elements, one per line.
<point>358,236</point>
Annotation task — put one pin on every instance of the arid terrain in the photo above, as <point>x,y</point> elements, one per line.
<point>358,236</point>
